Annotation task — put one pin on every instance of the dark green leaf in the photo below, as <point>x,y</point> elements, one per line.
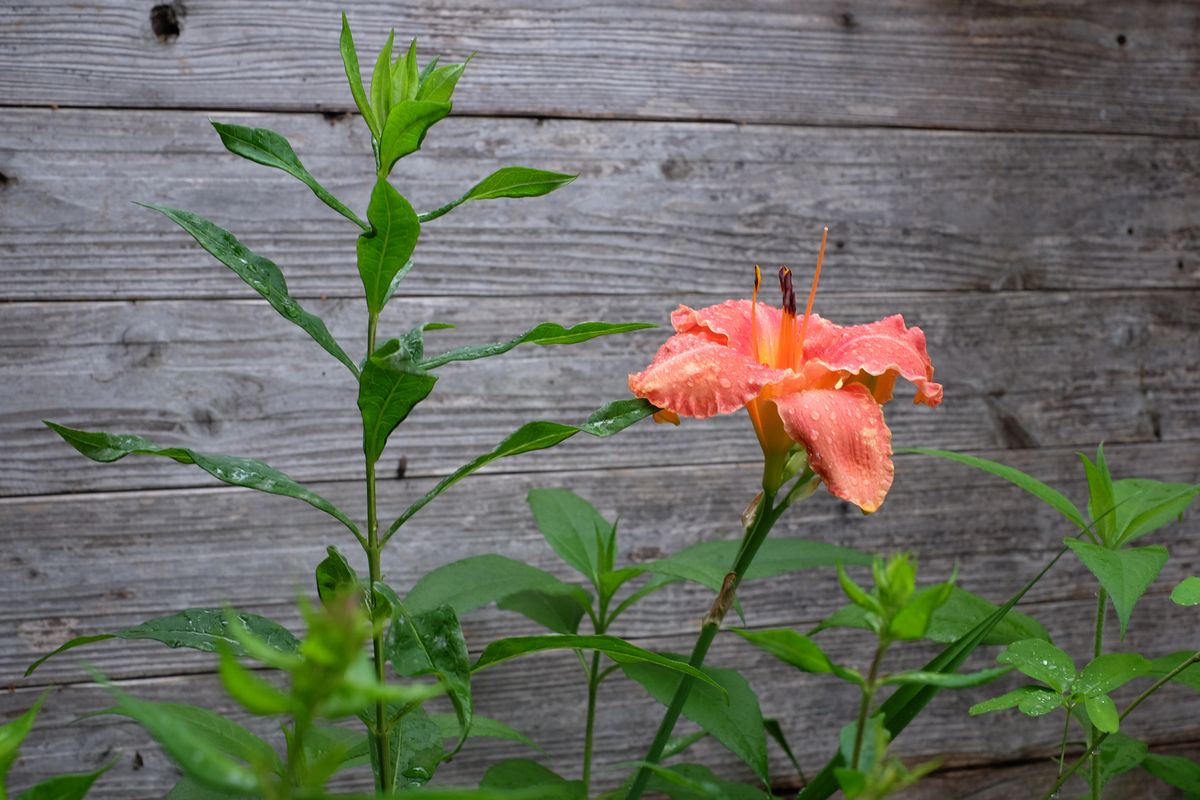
<point>1041,661</point>
<point>507,182</point>
<point>874,743</point>
<point>195,628</point>
<point>1033,700</point>
<point>707,563</point>
<point>354,77</point>
<point>1163,665</point>
<point>797,651</point>
<point>948,680</point>
<point>11,736</point>
<point>547,333</point>
<point>218,733</point>
<point>677,744</point>
<point>481,726</point>
<point>1102,712</point>
<point>522,773</point>
<point>606,421</point>
<point>1144,506</point>
<point>617,649</point>
<point>335,577</point>
<point>417,749</point>
<point>388,390</point>
<point>431,643</point>
<point>74,786</point>
<point>561,613</point>
<point>405,130</point>
<point>1180,772</point>
<point>735,721</point>
<point>1118,753</point>
<point>270,149</point>
<point>1051,497</point>
<point>1125,574</point>
<point>1187,592</point>
<point>381,82</point>
<point>476,581</point>
<point>697,782</point>
<point>775,731</point>
<point>261,274</point>
<point>1110,671</point>
<point>187,788</point>
<point>388,244</point>
<point>573,529</point>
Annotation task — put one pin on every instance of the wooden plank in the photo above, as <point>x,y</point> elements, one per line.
<point>659,207</point>
<point>1103,66</point>
<point>86,564</point>
<point>235,377</point>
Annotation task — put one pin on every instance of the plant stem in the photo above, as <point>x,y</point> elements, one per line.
<point>1062,751</point>
<point>864,708</point>
<point>379,736</point>
<point>1093,732</point>
<point>1158,684</point>
<point>755,536</point>
<point>589,730</point>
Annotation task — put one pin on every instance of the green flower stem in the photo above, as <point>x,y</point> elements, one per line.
<point>1095,748</point>
<point>1093,733</point>
<point>768,513</point>
<point>379,736</point>
<point>1062,750</point>
<point>868,694</point>
<point>594,679</point>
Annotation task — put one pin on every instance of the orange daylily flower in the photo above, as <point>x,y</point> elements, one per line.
<point>813,383</point>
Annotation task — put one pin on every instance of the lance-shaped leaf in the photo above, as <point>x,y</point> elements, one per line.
<point>437,82</point>
<point>381,80</point>
<point>431,643</point>
<point>247,472</point>
<point>405,77</point>
<point>261,274</point>
<point>573,529</point>
<point>416,750</point>
<point>266,147</point>
<point>507,182</point>
<point>11,736</point>
<point>947,680</point>
<point>1110,671</point>
<point>218,732</point>
<point>481,727</point>
<point>194,628</point>
<point>405,130</point>
<point>707,563</point>
<point>697,782</point>
<point>523,774</point>
<point>561,613</point>
<point>606,421</point>
<point>547,333</point>
<point>1035,701</point>
<point>1180,772</point>
<point>354,77</point>
<point>1143,506</point>
<point>385,249</point>
<point>1125,574</point>
<point>72,786</point>
<point>618,650</point>
<point>389,388</point>
<point>476,581</point>
<point>797,650</point>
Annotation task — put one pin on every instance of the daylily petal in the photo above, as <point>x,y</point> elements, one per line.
<point>696,376</point>
<point>882,349</point>
<point>848,444</point>
<point>730,321</point>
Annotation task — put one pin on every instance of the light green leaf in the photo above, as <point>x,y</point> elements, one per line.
<point>1033,700</point>
<point>606,421</point>
<point>260,274</point>
<point>381,81</point>
<point>388,244</point>
<point>947,680</point>
<point>1102,711</point>
<point>507,182</point>
<point>1110,671</point>
<point>335,577</point>
<point>437,83</point>
<point>431,643</point>
<point>573,529</point>
<point>1125,574</point>
<point>858,596</point>
<point>522,773</point>
<point>354,77</point>
<point>1163,665</point>
<point>247,472</point>
<point>476,581</point>
<point>697,782</point>
<point>1100,496</point>
<point>216,732</point>
<point>74,786</point>
<point>255,694</point>
<point>405,130</point>
<point>1180,772</point>
<point>547,333</point>
<point>561,613</point>
<point>775,731</point>
<point>618,650</point>
<point>201,629</point>
<point>1144,506</point>
<point>1046,494</point>
<point>913,620</point>
<point>1041,661</point>
<point>481,727</point>
<point>270,149</point>
<point>733,718</point>
<point>707,563</point>
<point>418,748</point>
<point>797,651</point>
<point>404,75</point>
<point>388,391</point>
<point>11,736</point>
<point>1187,592</point>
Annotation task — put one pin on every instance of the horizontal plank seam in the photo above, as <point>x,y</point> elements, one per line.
<point>701,120</point>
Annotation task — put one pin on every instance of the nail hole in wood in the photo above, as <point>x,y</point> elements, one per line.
<point>165,21</point>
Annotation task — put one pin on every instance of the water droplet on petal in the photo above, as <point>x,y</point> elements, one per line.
<point>726,383</point>
<point>815,415</point>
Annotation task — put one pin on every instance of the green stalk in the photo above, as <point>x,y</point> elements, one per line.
<point>589,729</point>
<point>864,708</point>
<point>1093,733</point>
<point>379,736</point>
<point>755,536</point>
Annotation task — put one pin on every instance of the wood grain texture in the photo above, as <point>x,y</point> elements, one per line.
<point>1103,67</point>
<point>658,207</point>
<point>235,377</point>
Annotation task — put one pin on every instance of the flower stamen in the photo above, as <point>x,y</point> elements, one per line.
<point>785,352</point>
<point>812,293</point>
<point>753,315</point>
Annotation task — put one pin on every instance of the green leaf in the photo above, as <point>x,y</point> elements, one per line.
<point>405,130</point>
<point>255,694</point>
<point>481,727</point>
<point>417,749</point>
<point>270,149</point>
<point>195,628</point>
<point>11,736</point>
<point>1041,661</point>
<point>507,182</point>
<point>187,788</point>
<point>547,333</point>
<point>797,651</point>
<point>775,731</point>
<point>707,563</point>
<point>1047,495</point>
<point>617,649</point>
<point>217,732</point>
<point>733,718</point>
<point>858,596</point>
<point>1187,592</point>
<point>573,529</point>
<point>1144,506</point>
<point>437,84</point>
<point>431,643</point>
<point>1180,772</point>
<point>874,744</point>
<point>948,680</point>
<point>192,751</point>
<point>1125,574</point>
<point>1102,712</point>
<point>913,620</point>
<point>404,75</point>
<point>561,613</point>
<point>388,391</point>
<point>1110,671</point>
<point>1165,664</point>
<point>606,421</point>
<point>335,577</point>
<point>381,81</point>
<point>1100,496</point>
<point>261,274</point>
<point>698,782</point>
<point>677,744</point>
<point>388,244</point>
<point>74,786</point>
<point>354,77</point>
<point>1118,754</point>
<point>1033,700</point>
<point>476,581</point>
<point>522,773</point>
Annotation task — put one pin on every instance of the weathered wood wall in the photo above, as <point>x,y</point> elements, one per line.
<point>1021,180</point>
